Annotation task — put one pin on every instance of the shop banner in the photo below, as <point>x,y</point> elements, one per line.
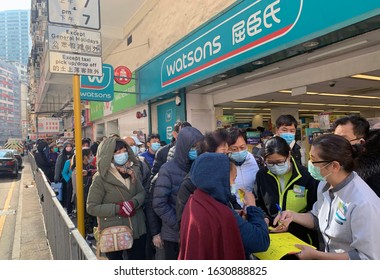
<point>245,32</point>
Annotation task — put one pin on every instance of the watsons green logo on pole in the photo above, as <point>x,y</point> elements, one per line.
<point>95,88</point>
<point>255,25</point>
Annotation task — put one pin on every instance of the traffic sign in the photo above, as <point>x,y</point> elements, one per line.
<point>79,13</point>
<point>98,88</point>
<point>74,40</point>
<point>67,63</point>
<point>122,75</point>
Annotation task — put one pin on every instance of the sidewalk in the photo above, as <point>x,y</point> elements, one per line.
<point>30,241</point>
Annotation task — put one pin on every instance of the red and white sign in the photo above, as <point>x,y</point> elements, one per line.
<point>122,75</point>
<point>48,125</point>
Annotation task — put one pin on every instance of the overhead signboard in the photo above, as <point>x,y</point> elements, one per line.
<point>79,13</point>
<point>98,88</point>
<point>70,39</point>
<point>67,63</point>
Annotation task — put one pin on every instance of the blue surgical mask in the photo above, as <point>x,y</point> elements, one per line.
<point>315,171</point>
<point>279,170</point>
<point>120,159</point>
<point>239,156</point>
<point>193,154</point>
<point>155,146</point>
<point>289,137</point>
<point>135,149</point>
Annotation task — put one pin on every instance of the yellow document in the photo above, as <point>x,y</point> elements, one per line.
<point>281,244</point>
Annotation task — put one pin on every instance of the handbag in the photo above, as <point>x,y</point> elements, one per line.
<point>116,238</point>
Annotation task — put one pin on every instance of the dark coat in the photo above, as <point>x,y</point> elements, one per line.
<point>42,161</point>
<point>267,190</point>
<point>296,153</point>
<point>169,180</point>
<point>369,170</point>
<point>160,158</point>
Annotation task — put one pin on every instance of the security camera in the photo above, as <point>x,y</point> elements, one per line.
<point>332,84</point>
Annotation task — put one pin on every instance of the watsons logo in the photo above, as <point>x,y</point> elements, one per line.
<point>230,38</point>
<point>187,60</point>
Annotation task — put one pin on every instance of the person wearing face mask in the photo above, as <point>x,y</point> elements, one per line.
<point>210,228</point>
<point>258,150</point>
<point>245,163</point>
<point>66,154</point>
<point>356,130</point>
<point>88,171</point>
<point>286,127</point>
<point>116,195</point>
<point>214,142</point>
<point>42,160</point>
<point>287,184</point>
<point>153,144</point>
<point>166,187</point>
<point>347,209</point>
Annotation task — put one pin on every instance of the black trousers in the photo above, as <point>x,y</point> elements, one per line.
<point>137,252</point>
<point>171,250</point>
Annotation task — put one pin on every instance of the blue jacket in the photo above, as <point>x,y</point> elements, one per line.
<point>211,174</point>
<point>66,171</point>
<point>169,179</point>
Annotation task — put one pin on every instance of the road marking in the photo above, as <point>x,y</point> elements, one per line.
<point>6,206</point>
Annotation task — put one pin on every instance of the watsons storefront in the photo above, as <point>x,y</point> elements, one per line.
<point>255,48</point>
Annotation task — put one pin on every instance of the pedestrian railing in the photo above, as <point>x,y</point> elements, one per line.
<point>66,242</point>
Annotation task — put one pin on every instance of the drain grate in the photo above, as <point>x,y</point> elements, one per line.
<point>7,212</point>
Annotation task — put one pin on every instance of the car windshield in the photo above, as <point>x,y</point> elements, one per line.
<point>5,154</point>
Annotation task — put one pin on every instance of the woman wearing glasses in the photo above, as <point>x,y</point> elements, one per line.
<point>347,211</point>
<point>285,185</point>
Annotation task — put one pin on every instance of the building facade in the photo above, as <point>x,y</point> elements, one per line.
<point>10,102</point>
<point>14,36</point>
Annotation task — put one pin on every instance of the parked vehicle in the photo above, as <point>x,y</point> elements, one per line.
<point>18,157</point>
<point>8,163</point>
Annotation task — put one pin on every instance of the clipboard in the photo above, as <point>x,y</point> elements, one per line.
<point>281,244</point>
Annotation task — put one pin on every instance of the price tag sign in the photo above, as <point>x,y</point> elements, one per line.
<point>78,13</point>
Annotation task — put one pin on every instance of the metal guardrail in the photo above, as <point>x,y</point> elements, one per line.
<point>65,240</point>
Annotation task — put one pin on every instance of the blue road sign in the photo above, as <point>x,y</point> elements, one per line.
<point>96,88</point>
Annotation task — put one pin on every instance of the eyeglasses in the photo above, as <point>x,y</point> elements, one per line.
<point>279,163</point>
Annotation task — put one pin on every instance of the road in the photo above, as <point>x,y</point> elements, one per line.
<point>9,201</point>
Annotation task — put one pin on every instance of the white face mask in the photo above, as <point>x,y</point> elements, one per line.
<point>142,150</point>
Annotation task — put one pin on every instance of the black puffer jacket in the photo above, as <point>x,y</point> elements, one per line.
<point>369,170</point>
<point>42,160</point>
<point>169,179</point>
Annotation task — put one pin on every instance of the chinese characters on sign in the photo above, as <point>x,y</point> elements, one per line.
<point>65,63</point>
<point>48,125</point>
<point>67,39</point>
<point>254,24</point>
<point>80,13</point>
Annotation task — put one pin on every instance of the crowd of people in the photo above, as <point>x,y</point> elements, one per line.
<point>208,196</point>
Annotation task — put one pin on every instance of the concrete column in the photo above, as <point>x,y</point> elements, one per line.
<point>257,120</point>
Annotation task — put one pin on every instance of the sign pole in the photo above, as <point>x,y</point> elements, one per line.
<point>78,154</point>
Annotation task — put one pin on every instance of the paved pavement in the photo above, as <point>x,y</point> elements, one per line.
<point>30,241</point>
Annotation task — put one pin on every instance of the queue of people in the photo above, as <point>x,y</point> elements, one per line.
<point>206,196</point>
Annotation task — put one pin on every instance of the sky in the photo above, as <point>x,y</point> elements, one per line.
<point>14,5</point>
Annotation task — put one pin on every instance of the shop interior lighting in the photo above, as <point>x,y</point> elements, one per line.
<point>249,101</point>
<point>284,102</point>
<point>366,77</point>
<point>336,50</point>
